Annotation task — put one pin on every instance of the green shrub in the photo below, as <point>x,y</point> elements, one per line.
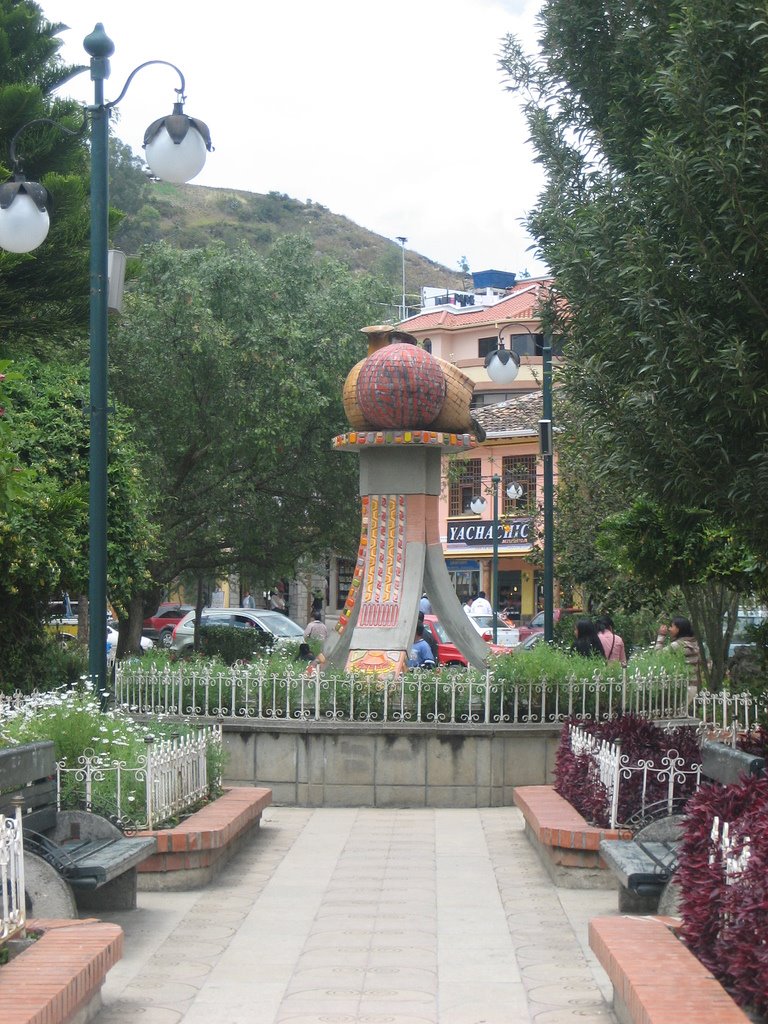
<point>232,645</point>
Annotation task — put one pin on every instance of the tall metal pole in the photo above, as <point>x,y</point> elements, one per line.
<point>100,47</point>
<point>496,480</point>
<point>547,456</point>
<point>402,240</point>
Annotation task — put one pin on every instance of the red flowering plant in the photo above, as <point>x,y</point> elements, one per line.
<point>577,778</point>
<point>724,899</point>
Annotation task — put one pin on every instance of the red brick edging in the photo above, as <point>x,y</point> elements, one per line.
<point>60,973</point>
<point>562,837</point>
<point>655,977</point>
<point>207,838</point>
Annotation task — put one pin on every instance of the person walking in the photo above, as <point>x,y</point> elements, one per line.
<point>481,605</point>
<point>424,605</point>
<point>316,629</point>
<point>586,642</point>
<point>679,636</point>
<point>248,601</point>
<point>613,645</point>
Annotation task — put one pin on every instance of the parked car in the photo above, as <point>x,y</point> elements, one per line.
<point>536,625</point>
<point>507,637</point>
<point>447,651</point>
<point>112,635</point>
<point>159,626</point>
<point>275,624</point>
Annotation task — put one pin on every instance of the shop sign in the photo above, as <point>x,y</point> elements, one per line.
<point>480,533</point>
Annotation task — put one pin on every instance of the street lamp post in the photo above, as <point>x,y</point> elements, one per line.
<point>176,148</point>
<point>502,366</point>
<point>402,240</point>
<point>547,455</point>
<point>477,505</point>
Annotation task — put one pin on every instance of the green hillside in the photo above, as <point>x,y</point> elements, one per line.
<point>191,216</point>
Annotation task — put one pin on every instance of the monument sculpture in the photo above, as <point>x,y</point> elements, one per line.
<point>405,408</point>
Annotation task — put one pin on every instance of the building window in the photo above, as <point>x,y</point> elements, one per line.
<point>345,568</point>
<point>427,344</point>
<point>464,487</point>
<point>519,469</point>
<point>526,344</point>
<point>486,346</point>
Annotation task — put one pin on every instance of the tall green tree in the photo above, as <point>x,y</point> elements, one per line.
<point>693,550</point>
<point>233,365</point>
<point>650,122</point>
<point>43,294</point>
<point>44,528</point>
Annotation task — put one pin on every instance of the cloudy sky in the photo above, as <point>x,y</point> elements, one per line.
<point>393,114</point>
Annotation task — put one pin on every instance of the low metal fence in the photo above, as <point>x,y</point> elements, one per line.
<point>447,697</point>
<point>726,710</point>
<point>13,915</point>
<point>163,783</point>
<point>671,776</point>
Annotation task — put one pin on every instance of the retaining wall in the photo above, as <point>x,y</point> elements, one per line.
<point>331,765</point>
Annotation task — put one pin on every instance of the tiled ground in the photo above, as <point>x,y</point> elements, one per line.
<point>358,915</point>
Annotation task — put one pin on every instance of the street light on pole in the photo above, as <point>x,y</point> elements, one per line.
<point>502,366</point>
<point>513,491</point>
<point>403,310</point>
<point>176,147</point>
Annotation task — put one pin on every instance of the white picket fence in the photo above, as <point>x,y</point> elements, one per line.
<point>731,851</point>
<point>172,776</point>
<point>611,767</point>
<point>13,915</point>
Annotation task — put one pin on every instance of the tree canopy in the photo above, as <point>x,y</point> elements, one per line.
<point>233,365</point>
<point>650,122</point>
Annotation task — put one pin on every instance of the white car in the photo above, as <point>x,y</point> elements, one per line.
<point>112,635</point>
<point>506,635</point>
<point>277,625</point>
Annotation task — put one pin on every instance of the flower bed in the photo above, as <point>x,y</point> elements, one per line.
<point>107,760</point>
<point>723,877</point>
<point>577,775</point>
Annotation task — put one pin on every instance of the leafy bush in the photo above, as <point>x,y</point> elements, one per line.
<point>232,645</point>
<point>724,919</point>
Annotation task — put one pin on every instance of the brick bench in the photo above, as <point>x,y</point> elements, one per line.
<point>655,977</point>
<point>58,978</point>
<point>568,847</point>
<point>192,853</point>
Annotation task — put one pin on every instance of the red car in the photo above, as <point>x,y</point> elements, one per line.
<point>536,625</point>
<point>447,651</point>
<point>159,627</point>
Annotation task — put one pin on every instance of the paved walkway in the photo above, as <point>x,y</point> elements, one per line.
<point>358,915</point>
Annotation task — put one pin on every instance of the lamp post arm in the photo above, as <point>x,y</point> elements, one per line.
<point>16,160</point>
<point>146,64</point>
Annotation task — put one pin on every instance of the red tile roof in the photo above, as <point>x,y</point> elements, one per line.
<point>521,304</point>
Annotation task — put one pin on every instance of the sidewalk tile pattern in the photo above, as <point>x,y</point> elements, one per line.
<point>372,916</point>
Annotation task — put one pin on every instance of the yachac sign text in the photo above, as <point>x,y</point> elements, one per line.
<point>480,534</point>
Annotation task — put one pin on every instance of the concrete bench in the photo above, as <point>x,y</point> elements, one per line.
<point>644,865</point>
<point>655,977</point>
<point>568,847</point>
<point>192,853</point>
<point>68,855</point>
<point>57,979</point>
